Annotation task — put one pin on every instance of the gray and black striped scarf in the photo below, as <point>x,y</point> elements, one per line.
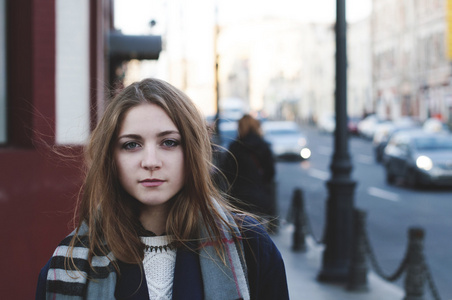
<point>65,283</point>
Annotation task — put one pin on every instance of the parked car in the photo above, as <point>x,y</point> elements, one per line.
<point>352,125</point>
<point>434,125</point>
<point>385,130</point>
<point>366,127</point>
<point>419,158</point>
<point>380,139</point>
<point>286,139</point>
<point>327,123</point>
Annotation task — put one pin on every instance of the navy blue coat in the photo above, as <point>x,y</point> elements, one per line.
<point>250,168</point>
<point>266,272</point>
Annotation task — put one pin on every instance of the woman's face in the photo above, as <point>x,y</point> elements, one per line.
<point>149,155</point>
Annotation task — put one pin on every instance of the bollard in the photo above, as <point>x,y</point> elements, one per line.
<point>415,271</point>
<point>357,277</point>
<point>299,243</point>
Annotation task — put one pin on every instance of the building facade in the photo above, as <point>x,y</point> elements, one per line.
<point>412,74</point>
<point>359,76</point>
<point>282,67</point>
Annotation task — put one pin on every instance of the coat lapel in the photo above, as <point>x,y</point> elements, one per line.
<point>132,283</point>
<point>187,283</point>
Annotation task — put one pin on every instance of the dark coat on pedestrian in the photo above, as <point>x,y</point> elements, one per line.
<point>250,169</point>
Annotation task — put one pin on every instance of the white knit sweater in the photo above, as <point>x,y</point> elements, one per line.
<point>159,268</point>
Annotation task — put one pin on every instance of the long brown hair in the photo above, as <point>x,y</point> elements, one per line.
<point>111,214</point>
<point>247,124</point>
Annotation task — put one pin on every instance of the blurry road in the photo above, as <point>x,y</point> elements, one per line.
<point>391,210</point>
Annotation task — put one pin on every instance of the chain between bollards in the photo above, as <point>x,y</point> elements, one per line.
<point>305,222</point>
<point>413,264</point>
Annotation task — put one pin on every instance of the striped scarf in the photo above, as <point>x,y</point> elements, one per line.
<point>220,281</point>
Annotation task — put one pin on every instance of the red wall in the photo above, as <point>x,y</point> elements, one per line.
<point>37,197</point>
<point>38,188</point>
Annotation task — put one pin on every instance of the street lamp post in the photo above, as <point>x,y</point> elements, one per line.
<point>339,212</point>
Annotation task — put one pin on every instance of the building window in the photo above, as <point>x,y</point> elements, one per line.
<point>3,107</point>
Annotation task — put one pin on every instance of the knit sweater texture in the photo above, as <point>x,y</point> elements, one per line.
<point>158,265</point>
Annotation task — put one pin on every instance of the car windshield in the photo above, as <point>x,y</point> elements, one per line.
<point>433,143</point>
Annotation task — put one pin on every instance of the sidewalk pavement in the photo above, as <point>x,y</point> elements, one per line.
<point>302,269</point>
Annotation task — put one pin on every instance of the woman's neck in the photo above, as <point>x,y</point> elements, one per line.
<point>154,219</point>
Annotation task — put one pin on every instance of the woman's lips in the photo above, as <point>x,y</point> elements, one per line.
<point>151,182</point>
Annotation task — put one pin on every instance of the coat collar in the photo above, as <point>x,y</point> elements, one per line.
<point>187,283</point>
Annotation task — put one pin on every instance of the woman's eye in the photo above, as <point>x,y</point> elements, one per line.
<point>131,145</point>
<point>170,143</point>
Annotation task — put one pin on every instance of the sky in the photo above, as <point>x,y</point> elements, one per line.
<point>309,10</point>
<point>133,16</point>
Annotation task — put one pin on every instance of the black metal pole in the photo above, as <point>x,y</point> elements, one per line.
<point>339,215</point>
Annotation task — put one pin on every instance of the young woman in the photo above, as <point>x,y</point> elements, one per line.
<point>151,224</point>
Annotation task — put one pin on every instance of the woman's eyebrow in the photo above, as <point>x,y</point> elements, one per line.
<point>168,132</point>
<point>130,136</point>
<point>137,136</point>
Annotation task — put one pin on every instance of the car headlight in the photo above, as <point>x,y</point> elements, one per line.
<point>305,153</point>
<point>424,162</point>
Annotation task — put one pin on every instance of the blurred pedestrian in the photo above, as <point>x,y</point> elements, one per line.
<point>250,169</point>
<point>151,224</point>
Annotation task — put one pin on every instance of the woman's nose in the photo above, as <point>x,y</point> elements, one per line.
<point>151,159</point>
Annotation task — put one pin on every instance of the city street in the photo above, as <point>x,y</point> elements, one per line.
<point>391,210</point>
